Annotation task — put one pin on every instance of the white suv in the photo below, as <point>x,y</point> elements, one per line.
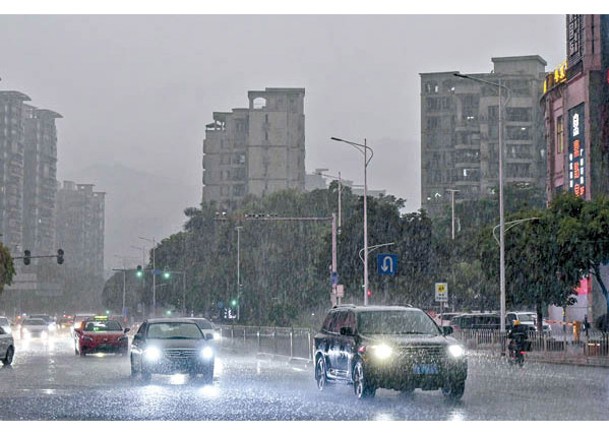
<point>526,318</point>
<point>7,344</point>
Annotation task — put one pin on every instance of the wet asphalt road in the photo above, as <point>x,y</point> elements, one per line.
<point>48,382</point>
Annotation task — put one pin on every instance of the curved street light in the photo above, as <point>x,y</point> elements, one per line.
<point>500,107</point>
<point>363,148</point>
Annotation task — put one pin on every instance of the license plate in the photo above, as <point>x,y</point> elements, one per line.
<point>425,369</point>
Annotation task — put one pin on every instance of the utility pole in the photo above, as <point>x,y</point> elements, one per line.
<point>452,205</point>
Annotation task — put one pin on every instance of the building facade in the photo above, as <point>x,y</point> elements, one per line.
<point>576,124</point>
<point>12,169</point>
<point>460,131</point>
<point>80,227</point>
<point>256,150</point>
<point>40,181</point>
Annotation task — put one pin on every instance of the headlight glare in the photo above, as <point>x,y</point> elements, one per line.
<point>456,350</point>
<point>382,351</point>
<point>207,352</point>
<point>152,354</point>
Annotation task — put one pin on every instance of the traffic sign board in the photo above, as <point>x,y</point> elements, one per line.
<point>441,292</point>
<point>387,264</point>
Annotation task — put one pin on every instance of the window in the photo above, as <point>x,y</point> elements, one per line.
<point>560,137</point>
<point>518,133</point>
<point>519,114</point>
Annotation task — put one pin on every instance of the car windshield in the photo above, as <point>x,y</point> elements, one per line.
<point>396,322</point>
<point>527,317</point>
<point>103,326</point>
<point>173,331</point>
<point>204,324</point>
<point>34,322</point>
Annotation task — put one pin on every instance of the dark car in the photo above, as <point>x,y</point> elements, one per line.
<point>101,335</point>
<point>392,347</point>
<point>476,321</point>
<point>168,346</point>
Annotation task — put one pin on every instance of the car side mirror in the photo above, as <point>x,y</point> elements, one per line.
<point>138,337</point>
<point>2,331</point>
<point>209,336</point>
<point>447,330</point>
<point>346,330</point>
<point>127,330</point>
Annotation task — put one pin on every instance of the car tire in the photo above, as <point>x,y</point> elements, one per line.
<point>134,371</point>
<point>321,373</point>
<point>146,375</point>
<point>81,352</point>
<point>8,358</point>
<point>453,390</point>
<point>208,374</point>
<point>363,388</point>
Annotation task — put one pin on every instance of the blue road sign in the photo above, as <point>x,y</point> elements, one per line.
<point>334,278</point>
<point>387,264</point>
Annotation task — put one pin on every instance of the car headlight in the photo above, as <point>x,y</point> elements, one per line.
<point>217,335</point>
<point>456,350</point>
<point>207,352</point>
<point>381,351</point>
<point>152,354</point>
<point>87,338</point>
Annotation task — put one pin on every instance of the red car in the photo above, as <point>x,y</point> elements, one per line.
<point>100,334</point>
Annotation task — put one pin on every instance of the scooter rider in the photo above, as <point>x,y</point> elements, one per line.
<point>518,336</point>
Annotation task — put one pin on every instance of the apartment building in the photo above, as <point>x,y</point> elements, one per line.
<point>460,131</point>
<point>256,150</point>
<point>12,169</point>
<point>80,227</point>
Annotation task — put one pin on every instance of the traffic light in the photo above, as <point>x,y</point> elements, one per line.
<point>60,256</point>
<point>233,302</point>
<point>369,292</point>
<point>139,272</point>
<point>166,274</point>
<point>26,257</point>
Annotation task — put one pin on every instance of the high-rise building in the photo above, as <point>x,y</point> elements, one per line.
<point>576,114</point>
<point>12,169</point>
<point>460,131</point>
<point>255,151</point>
<point>80,227</point>
<point>40,180</point>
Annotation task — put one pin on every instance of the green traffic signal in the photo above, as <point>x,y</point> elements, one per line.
<point>233,302</point>
<point>139,272</point>
<point>166,274</point>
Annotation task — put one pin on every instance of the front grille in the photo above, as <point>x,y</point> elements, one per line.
<point>423,354</point>
<point>180,354</point>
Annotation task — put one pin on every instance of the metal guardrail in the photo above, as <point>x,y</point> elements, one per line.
<point>292,343</point>
<point>298,344</point>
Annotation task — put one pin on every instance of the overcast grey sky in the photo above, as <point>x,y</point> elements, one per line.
<point>139,89</point>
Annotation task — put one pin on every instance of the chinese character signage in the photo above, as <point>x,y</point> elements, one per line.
<point>559,75</point>
<point>576,157</point>
<point>574,38</point>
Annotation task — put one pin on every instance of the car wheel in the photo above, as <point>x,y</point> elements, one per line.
<point>81,352</point>
<point>134,371</point>
<point>208,374</point>
<point>362,386</point>
<point>453,390</point>
<point>146,375</point>
<point>8,358</point>
<point>321,373</point>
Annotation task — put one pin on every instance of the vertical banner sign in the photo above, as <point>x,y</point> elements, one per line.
<point>441,292</point>
<point>576,158</point>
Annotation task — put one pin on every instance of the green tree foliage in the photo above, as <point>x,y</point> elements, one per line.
<point>7,268</point>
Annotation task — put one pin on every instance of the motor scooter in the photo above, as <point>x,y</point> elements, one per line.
<point>517,351</point>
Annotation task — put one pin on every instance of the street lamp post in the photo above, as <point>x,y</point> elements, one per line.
<point>153,274</point>
<point>452,206</point>
<point>238,229</point>
<point>501,208</point>
<point>363,148</point>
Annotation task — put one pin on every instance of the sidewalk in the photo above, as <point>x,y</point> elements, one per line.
<point>573,356</point>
